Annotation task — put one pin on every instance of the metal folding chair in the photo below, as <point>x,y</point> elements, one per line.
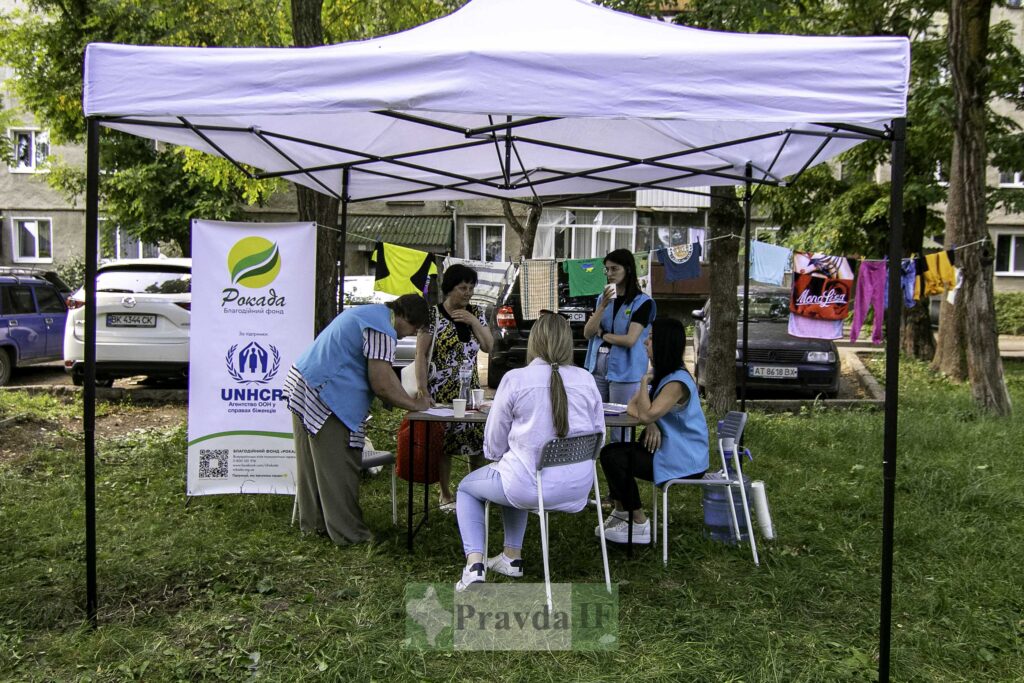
<point>729,433</point>
<point>557,453</point>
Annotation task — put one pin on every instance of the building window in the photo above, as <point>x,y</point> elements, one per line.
<point>1010,254</point>
<point>117,243</point>
<point>1011,179</point>
<point>485,242</point>
<point>31,147</point>
<point>33,240</point>
<point>589,233</point>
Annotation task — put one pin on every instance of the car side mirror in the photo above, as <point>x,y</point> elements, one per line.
<point>697,315</point>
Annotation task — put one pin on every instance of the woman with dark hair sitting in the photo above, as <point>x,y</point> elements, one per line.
<point>549,397</point>
<point>458,331</point>
<point>674,444</point>
<point>617,330</point>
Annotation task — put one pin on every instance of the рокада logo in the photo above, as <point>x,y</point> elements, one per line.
<point>254,262</point>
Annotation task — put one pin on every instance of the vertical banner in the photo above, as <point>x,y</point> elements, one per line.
<point>252,316</point>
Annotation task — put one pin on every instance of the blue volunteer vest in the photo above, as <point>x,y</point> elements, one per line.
<point>624,364</point>
<point>334,365</point>
<point>684,435</point>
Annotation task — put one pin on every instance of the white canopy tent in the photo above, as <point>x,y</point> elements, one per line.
<point>517,99</point>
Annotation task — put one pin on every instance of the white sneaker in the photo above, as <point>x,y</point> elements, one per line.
<point>610,520</point>
<point>504,564</point>
<point>471,575</point>
<point>620,532</point>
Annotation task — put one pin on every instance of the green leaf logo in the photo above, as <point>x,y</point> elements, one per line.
<point>254,262</point>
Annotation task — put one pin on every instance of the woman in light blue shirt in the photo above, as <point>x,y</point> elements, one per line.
<point>617,330</point>
<point>673,446</point>
<point>549,397</point>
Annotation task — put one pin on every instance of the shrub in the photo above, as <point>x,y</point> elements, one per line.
<point>1010,312</point>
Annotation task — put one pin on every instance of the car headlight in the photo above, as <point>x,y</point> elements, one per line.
<point>821,357</point>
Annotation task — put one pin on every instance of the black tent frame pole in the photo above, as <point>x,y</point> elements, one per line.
<point>892,375</point>
<point>92,166</point>
<point>343,240</point>
<point>746,283</point>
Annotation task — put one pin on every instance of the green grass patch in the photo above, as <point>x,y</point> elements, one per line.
<point>225,589</point>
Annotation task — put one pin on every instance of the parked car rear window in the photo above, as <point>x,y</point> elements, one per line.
<point>766,307</point>
<point>49,301</point>
<point>144,281</point>
<point>15,300</point>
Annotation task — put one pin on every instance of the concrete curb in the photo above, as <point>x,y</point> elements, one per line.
<point>864,376</point>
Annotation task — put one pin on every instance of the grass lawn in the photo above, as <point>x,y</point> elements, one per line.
<point>226,590</point>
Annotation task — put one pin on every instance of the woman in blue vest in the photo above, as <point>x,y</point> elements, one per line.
<point>617,330</point>
<point>674,444</point>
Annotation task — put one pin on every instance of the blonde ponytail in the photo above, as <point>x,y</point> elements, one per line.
<point>551,341</point>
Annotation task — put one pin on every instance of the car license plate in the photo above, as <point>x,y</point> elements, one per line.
<point>130,320</point>
<point>576,316</point>
<point>767,372</point>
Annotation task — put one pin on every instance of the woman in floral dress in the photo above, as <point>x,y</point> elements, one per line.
<point>459,331</point>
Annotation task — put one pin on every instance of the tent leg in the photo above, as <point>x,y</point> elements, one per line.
<point>89,384</point>
<point>892,374</point>
<point>746,285</point>
<point>343,239</point>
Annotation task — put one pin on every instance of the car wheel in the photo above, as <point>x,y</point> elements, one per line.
<point>77,380</point>
<point>6,365</point>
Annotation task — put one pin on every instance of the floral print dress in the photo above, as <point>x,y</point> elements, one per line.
<point>449,354</point>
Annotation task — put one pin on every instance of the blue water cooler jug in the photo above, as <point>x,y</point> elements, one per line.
<point>717,523</point>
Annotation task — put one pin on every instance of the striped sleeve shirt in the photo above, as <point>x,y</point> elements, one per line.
<point>304,400</point>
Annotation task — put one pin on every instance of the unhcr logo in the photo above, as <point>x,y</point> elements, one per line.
<point>254,262</point>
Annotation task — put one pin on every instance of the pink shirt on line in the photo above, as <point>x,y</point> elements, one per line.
<point>519,424</point>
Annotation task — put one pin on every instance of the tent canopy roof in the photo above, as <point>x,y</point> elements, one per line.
<point>510,98</point>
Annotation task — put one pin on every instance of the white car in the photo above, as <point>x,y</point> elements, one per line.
<point>143,316</point>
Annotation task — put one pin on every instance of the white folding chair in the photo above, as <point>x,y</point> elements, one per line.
<point>556,453</point>
<point>370,459</point>
<point>729,434</point>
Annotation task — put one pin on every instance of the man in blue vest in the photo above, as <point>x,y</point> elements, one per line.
<point>329,390</point>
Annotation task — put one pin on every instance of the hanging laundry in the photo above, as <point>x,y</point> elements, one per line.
<point>768,262</point>
<point>871,282</point>
<point>822,286</point>
<point>908,275</point>
<point>490,276</point>
<point>586,276</point>
<point>920,268</point>
<point>813,328</point>
<point>939,276</point>
<point>401,270</point>
<point>682,262</point>
<point>539,287</point>
<point>643,270</point>
<point>959,281</point>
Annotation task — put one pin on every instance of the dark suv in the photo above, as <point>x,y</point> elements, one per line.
<point>511,331</point>
<point>32,317</point>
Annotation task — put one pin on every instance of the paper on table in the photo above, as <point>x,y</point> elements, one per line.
<point>440,412</point>
<point>614,408</point>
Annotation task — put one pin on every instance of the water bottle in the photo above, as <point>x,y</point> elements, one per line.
<point>465,381</point>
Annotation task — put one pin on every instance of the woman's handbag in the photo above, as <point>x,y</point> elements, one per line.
<point>409,381</point>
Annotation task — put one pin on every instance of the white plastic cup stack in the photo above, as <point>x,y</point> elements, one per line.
<point>764,517</point>
<point>459,407</point>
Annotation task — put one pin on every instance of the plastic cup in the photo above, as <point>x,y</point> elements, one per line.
<point>459,407</point>
<point>610,291</point>
<point>478,398</point>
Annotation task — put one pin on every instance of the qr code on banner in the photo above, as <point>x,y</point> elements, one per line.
<point>213,463</point>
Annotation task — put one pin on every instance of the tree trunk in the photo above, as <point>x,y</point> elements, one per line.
<point>527,230</point>
<point>916,338</point>
<point>966,213</point>
<point>307,30</point>
<point>725,217</point>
